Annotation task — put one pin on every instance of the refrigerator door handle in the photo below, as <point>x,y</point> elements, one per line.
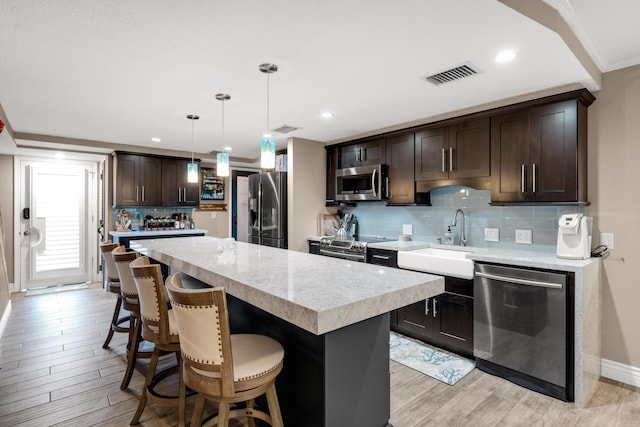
<point>260,211</point>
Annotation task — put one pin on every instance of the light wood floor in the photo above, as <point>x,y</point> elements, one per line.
<point>54,372</point>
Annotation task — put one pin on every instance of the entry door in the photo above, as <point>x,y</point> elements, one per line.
<point>54,222</point>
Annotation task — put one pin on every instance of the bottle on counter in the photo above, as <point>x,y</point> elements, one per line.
<point>192,225</point>
<point>448,236</point>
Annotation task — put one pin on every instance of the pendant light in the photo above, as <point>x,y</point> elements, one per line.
<point>268,144</point>
<point>192,168</point>
<point>222,159</point>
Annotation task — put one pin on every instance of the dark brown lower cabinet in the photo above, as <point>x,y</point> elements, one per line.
<point>445,320</point>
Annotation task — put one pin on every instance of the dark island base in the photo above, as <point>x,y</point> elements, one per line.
<point>337,379</point>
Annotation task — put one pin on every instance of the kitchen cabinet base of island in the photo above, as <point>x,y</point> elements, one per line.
<point>340,378</point>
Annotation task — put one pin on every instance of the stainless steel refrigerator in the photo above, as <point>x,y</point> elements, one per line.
<point>268,209</point>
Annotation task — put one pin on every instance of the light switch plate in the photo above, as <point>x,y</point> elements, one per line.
<point>523,236</point>
<point>607,240</point>
<point>407,229</point>
<point>491,234</point>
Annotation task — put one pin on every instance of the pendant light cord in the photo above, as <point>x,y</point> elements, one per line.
<point>192,139</point>
<point>267,130</point>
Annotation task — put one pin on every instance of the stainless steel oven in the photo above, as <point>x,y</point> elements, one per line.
<point>352,250</point>
<point>523,327</point>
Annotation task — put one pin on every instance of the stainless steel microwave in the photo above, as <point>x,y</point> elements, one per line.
<point>361,183</point>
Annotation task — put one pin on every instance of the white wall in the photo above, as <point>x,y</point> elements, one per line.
<point>306,177</point>
<point>614,176</point>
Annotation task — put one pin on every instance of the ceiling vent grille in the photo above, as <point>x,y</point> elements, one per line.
<point>465,70</point>
<point>285,129</point>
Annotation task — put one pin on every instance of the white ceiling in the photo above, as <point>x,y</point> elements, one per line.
<point>122,72</point>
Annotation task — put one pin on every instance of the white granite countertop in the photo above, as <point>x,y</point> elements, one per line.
<point>156,232</point>
<point>318,294</point>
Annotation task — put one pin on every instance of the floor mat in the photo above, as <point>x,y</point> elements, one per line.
<point>57,288</point>
<point>419,356</point>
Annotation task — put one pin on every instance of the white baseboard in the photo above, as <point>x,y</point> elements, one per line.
<point>619,372</point>
<point>5,318</point>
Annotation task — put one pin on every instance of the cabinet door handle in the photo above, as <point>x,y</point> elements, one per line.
<point>522,178</point>
<point>450,158</point>
<point>143,193</point>
<point>444,166</point>
<point>435,312</point>
<point>137,193</point>
<point>387,185</point>
<point>533,183</point>
<point>381,257</point>
<point>426,307</point>
<point>179,194</point>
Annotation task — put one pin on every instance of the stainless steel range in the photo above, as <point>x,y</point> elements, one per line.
<point>354,250</point>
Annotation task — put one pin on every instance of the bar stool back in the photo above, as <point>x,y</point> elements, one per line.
<point>221,367</point>
<point>113,285</point>
<point>160,328</point>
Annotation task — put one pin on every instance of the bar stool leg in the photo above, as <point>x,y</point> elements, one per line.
<point>135,338</point>
<point>114,321</point>
<point>147,383</point>
<point>196,418</point>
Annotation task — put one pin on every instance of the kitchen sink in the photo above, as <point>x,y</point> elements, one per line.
<point>447,262</point>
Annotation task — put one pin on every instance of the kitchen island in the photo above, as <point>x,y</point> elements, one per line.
<point>330,315</point>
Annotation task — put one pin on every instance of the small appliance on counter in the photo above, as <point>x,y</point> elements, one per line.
<point>574,236</point>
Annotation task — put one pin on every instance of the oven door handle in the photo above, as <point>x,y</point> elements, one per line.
<point>519,281</point>
<point>341,254</point>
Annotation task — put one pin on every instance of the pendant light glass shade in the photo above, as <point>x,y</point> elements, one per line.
<point>268,144</point>
<point>222,160</point>
<point>192,172</point>
<point>192,167</point>
<point>267,152</point>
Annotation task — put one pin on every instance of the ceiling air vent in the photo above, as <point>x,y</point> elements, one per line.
<point>465,70</point>
<point>285,129</point>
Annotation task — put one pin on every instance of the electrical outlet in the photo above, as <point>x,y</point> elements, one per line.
<point>607,240</point>
<point>491,234</point>
<point>523,236</point>
<point>407,229</point>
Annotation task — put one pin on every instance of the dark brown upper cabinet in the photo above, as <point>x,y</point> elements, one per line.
<point>332,165</point>
<point>539,154</point>
<point>137,180</point>
<point>458,154</point>
<point>400,179</point>
<point>362,154</point>
<point>176,189</point>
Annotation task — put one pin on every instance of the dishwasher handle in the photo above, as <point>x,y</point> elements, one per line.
<point>519,281</point>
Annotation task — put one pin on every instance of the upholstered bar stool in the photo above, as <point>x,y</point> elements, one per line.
<point>221,367</point>
<point>113,285</point>
<point>130,302</point>
<point>158,327</point>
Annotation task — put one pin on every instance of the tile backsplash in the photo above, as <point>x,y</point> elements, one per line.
<point>154,212</point>
<point>430,222</point>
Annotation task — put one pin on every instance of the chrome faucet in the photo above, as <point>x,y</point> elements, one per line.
<point>463,237</point>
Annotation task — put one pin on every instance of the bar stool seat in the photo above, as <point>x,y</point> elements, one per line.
<point>113,285</point>
<point>224,368</point>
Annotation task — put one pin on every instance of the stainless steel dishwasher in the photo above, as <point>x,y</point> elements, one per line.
<point>523,327</point>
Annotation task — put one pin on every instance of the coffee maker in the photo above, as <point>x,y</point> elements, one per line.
<point>574,236</point>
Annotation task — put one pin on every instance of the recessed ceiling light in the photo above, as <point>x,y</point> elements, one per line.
<point>156,139</point>
<point>505,56</point>
<point>327,114</point>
